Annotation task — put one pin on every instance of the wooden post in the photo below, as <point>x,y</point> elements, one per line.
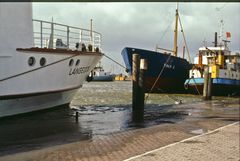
<point>207,80</point>
<point>141,91</point>
<point>135,77</point>
<point>209,92</point>
<point>205,85</point>
<point>138,89</point>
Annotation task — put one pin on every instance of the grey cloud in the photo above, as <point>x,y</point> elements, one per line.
<point>143,24</point>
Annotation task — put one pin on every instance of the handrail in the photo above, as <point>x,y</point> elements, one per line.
<point>56,35</point>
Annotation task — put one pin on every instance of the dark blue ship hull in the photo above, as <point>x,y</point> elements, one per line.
<point>220,86</point>
<point>175,70</point>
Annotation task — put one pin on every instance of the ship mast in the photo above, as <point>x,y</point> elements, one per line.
<point>221,32</point>
<point>175,47</point>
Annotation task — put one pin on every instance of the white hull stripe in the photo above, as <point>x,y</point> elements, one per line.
<point>8,97</point>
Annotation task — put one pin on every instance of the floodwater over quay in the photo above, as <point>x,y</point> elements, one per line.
<point>105,108</point>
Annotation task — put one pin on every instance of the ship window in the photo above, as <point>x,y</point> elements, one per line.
<point>31,61</point>
<point>42,61</point>
<point>77,62</point>
<point>71,62</point>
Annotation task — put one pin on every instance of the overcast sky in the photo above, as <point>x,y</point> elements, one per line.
<point>143,25</point>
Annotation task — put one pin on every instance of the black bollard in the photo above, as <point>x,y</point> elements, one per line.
<point>76,116</point>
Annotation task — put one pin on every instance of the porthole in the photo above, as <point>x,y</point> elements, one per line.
<point>31,61</point>
<point>42,61</point>
<point>77,62</point>
<point>71,62</point>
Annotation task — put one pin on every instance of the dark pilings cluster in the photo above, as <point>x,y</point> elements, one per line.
<point>207,88</point>
<point>138,93</point>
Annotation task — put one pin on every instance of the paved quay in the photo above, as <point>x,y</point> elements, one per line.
<point>207,131</point>
<point>220,144</point>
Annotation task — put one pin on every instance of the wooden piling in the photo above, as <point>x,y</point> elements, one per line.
<point>138,93</point>
<point>135,79</point>
<point>209,92</point>
<point>207,87</point>
<point>141,95</point>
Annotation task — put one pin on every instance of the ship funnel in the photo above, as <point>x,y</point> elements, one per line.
<point>215,40</point>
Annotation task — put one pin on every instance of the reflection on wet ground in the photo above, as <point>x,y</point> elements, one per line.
<point>105,108</point>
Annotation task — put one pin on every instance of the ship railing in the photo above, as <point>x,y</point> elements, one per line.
<point>159,49</point>
<point>54,35</point>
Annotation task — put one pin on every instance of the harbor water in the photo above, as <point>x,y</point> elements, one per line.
<point>104,108</point>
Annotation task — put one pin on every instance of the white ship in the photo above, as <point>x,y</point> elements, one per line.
<point>99,74</point>
<point>42,64</point>
<point>224,67</point>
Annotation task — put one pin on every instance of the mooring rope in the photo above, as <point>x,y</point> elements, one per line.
<point>154,84</point>
<point>116,62</point>
<point>166,30</point>
<point>184,39</point>
<point>195,85</point>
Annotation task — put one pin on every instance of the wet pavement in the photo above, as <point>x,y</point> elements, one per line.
<point>220,144</point>
<point>105,131</point>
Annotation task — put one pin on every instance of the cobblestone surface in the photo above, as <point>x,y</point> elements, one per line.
<point>222,144</point>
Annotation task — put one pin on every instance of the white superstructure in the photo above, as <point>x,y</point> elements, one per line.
<point>42,64</point>
<point>222,62</point>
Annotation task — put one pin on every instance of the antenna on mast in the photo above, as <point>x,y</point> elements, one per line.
<point>221,32</point>
<point>91,33</point>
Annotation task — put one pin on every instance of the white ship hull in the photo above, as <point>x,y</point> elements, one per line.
<point>35,75</point>
<point>26,90</point>
<point>20,105</point>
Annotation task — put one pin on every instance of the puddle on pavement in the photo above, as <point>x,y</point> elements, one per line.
<point>58,126</point>
<point>197,132</point>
